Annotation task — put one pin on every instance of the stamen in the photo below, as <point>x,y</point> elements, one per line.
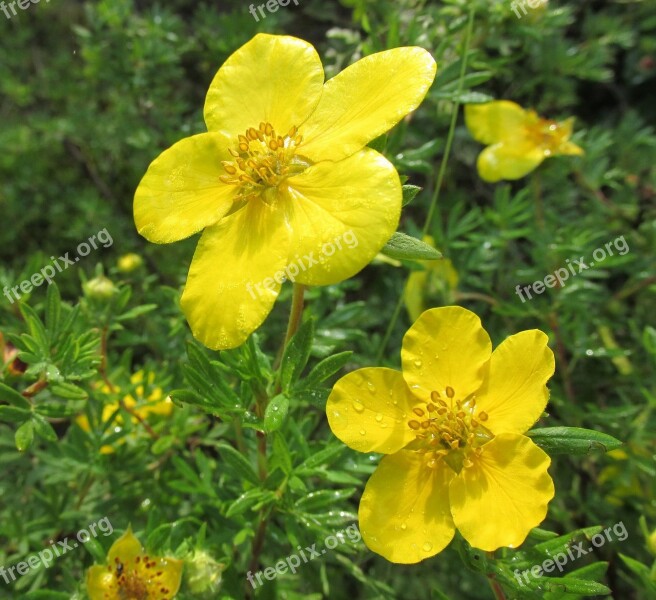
<point>450,392</point>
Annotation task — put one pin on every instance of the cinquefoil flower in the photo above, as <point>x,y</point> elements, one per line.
<point>517,140</point>
<point>132,574</point>
<point>282,172</point>
<point>451,425</point>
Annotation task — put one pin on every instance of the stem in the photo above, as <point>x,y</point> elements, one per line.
<point>295,314</point>
<point>497,590</point>
<point>440,175</point>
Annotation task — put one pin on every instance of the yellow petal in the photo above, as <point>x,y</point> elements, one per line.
<point>446,347</point>
<point>515,394</point>
<point>570,148</point>
<point>404,511</point>
<point>231,288</point>
<point>494,122</point>
<point>341,214</point>
<point>181,193</point>
<point>366,410</point>
<point>509,160</point>
<point>414,293</point>
<point>169,580</point>
<point>126,548</point>
<point>366,100</point>
<point>274,79</point>
<point>99,582</point>
<point>498,500</point>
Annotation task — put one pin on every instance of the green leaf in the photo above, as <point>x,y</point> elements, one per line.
<point>296,355</point>
<point>53,308</point>
<point>275,413</point>
<point>572,440</point>
<point>69,391</point>
<point>44,429</point>
<point>24,436</point>
<point>576,586</point>
<point>14,414</point>
<point>326,368</point>
<point>137,311</point>
<point>325,456</point>
<point>11,396</point>
<point>316,500</point>
<point>238,462</point>
<point>405,247</point>
<point>409,193</point>
<point>249,499</point>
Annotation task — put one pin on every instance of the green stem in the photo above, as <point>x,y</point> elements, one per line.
<point>440,176</point>
<point>497,590</point>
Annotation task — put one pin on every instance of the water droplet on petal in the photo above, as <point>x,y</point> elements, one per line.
<point>404,526</point>
<point>379,417</point>
<point>363,432</point>
<point>418,363</point>
<point>427,547</point>
<point>358,406</point>
<point>371,387</point>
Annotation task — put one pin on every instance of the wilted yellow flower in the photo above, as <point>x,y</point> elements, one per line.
<point>451,424</point>
<point>142,406</point>
<point>132,574</point>
<point>438,279</point>
<point>282,172</point>
<point>517,140</point>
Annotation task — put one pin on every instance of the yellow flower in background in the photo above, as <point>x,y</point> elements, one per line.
<point>142,406</point>
<point>517,140</point>
<point>132,574</point>
<point>451,426</point>
<point>282,172</point>
<point>129,262</point>
<point>437,280</point>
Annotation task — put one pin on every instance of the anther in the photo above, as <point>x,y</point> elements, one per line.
<point>431,407</point>
<point>483,416</point>
<point>252,133</point>
<point>418,412</point>
<point>450,392</point>
<point>414,424</point>
<point>425,424</point>
<point>435,396</point>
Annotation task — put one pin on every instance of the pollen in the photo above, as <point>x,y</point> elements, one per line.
<point>451,431</point>
<point>263,159</point>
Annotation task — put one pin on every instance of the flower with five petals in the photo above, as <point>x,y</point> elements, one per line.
<point>282,171</point>
<point>132,574</point>
<point>517,140</point>
<point>451,427</point>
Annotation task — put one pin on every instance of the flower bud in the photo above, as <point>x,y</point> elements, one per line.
<point>129,262</point>
<point>203,575</point>
<point>99,288</point>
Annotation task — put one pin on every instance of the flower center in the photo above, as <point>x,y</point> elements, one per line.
<point>263,159</point>
<point>547,134</point>
<point>136,580</point>
<point>449,429</point>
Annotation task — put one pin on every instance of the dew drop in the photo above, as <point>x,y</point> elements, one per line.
<point>358,406</point>
<point>418,363</point>
<point>427,547</point>
<point>379,417</point>
<point>404,526</point>
<point>371,387</point>
<point>363,432</point>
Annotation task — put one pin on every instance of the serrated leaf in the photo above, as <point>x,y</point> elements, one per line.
<point>405,247</point>
<point>24,436</point>
<point>275,413</point>
<point>572,440</point>
<point>296,355</point>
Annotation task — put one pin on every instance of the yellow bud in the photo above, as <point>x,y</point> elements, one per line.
<point>129,262</point>
<point>203,575</point>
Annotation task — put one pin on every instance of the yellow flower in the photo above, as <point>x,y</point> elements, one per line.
<point>282,173</point>
<point>438,278</point>
<point>451,425</point>
<point>132,574</point>
<point>517,140</point>
<point>129,262</point>
<point>142,407</point>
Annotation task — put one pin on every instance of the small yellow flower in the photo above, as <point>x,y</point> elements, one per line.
<point>132,574</point>
<point>438,279</point>
<point>517,140</point>
<point>451,425</point>
<point>282,172</point>
<point>141,406</point>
